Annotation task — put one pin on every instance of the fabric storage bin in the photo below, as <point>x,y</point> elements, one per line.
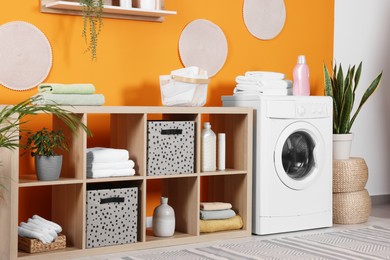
<point>111,216</point>
<point>171,147</point>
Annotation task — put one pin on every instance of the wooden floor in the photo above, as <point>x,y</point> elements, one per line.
<point>380,215</point>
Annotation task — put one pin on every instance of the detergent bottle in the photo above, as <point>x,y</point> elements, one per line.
<point>301,86</point>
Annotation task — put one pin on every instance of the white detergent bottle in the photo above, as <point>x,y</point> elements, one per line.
<point>301,86</point>
<point>209,152</point>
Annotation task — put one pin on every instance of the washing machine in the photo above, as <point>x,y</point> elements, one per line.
<point>292,164</point>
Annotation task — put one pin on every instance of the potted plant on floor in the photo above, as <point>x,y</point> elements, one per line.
<point>43,144</point>
<point>342,90</point>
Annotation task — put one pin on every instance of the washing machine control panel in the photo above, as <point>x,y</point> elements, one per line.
<point>309,110</point>
<point>299,108</point>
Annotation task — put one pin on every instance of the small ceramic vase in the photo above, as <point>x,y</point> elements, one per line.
<point>163,219</point>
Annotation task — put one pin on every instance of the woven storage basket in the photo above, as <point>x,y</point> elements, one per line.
<point>32,245</point>
<point>349,175</point>
<point>351,207</point>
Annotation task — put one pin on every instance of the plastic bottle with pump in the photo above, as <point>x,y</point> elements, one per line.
<point>209,153</point>
<point>301,86</point>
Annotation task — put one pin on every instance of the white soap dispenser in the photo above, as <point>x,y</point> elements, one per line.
<point>209,153</point>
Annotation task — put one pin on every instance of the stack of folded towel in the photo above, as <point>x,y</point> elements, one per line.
<point>37,227</point>
<point>218,216</point>
<point>263,83</point>
<point>108,162</point>
<point>68,94</point>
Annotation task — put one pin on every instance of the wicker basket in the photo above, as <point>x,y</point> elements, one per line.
<point>351,207</point>
<point>349,175</point>
<point>31,245</point>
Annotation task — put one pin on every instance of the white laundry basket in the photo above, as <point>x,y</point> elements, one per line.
<point>183,91</point>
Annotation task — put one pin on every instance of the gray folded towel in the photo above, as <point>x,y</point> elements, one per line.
<point>217,214</point>
<point>69,99</point>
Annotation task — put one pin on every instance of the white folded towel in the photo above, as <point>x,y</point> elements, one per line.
<point>34,224</point>
<point>45,234</point>
<point>24,232</point>
<point>265,91</point>
<point>265,74</point>
<point>110,173</point>
<point>48,223</point>
<point>106,155</point>
<point>265,83</point>
<point>129,164</point>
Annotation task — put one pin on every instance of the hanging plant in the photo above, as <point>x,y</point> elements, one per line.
<point>92,19</point>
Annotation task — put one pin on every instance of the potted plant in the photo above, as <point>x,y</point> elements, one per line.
<point>342,90</point>
<point>43,145</point>
<point>92,23</point>
<point>13,119</point>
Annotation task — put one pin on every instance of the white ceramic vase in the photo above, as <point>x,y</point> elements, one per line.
<point>342,146</point>
<point>163,219</point>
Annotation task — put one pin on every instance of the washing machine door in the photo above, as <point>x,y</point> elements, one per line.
<point>298,154</point>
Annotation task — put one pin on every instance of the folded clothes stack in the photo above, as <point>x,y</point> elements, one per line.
<point>108,162</point>
<point>218,216</point>
<point>262,83</point>
<point>37,227</point>
<point>68,94</point>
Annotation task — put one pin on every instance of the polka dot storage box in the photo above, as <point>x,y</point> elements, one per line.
<point>171,147</point>
<point>111,215</point>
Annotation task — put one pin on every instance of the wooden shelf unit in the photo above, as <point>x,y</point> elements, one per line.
<point>109,11</point>
<point>128,130</point>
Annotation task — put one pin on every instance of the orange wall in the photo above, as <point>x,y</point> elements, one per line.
<point>132,54</point>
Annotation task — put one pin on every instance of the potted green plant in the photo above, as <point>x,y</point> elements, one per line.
<point>92,23</point>
<point>43,145</point>
<point>13,119</point>
<point>342,89</point>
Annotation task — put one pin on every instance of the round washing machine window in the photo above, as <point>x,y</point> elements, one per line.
<point>298,155</point>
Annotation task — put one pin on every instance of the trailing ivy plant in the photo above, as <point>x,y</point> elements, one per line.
<point>92,24</point>
<point>342,90</point>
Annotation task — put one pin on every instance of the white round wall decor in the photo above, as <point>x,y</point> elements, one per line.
<point>264,19</point>
<point>203,44</point>
<point>25,55</point>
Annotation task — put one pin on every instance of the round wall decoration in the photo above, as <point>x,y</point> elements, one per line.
<point>25,55</point>
<point>264,19</point>
<point>203,44</point>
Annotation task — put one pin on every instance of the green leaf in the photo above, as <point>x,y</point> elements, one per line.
<point>369,91</point>
<point>357,76</point>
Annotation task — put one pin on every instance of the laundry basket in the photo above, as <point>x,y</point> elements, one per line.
<point>183,91</point>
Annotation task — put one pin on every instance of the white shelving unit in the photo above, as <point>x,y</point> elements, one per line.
<point>66,199</point>
<point>74,8</point>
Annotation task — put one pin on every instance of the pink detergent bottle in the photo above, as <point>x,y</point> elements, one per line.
<point>301,86</point>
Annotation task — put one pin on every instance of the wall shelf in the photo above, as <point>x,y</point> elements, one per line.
<point>74,8</point>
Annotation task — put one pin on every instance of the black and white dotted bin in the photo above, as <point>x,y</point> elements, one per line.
<point>171,147</point>
<point>111,216</point>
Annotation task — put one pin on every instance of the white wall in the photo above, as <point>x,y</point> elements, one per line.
<point>362,33</point>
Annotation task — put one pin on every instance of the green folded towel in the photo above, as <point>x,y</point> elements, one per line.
<point>56,88</point>
<point>69,99</point>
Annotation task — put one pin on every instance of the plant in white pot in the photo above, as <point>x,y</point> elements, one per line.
<point>342,89</point>
<point>43,145</point>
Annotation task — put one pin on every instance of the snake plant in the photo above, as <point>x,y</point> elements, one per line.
<point>342,89</point>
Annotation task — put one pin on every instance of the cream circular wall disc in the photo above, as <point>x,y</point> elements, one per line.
<point>203,44</point>
<point>264,19</point>
<point>25,55</point>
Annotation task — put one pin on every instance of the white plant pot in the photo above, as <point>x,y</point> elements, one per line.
<point>342,146</point>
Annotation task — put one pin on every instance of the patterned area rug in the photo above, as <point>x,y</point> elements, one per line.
<point>365,243</point>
